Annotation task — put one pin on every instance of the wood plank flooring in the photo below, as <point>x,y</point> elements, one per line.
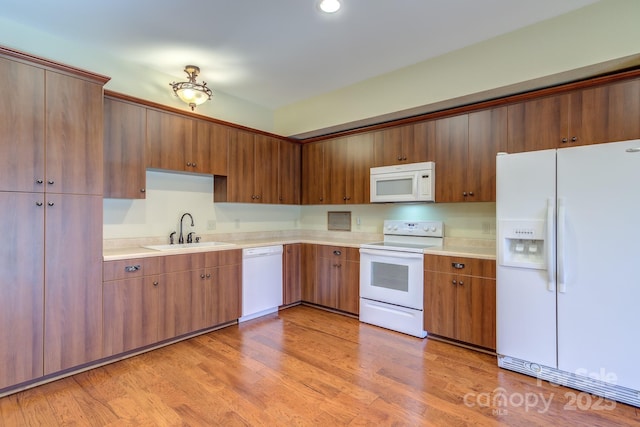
<point>307,367</point>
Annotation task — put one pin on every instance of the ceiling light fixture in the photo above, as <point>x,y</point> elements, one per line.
<point>329,6</point>
<point>192,92</point>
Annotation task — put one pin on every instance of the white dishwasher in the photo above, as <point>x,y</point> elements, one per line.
<point>261,281</point>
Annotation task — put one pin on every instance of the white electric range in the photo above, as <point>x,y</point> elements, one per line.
<point>392,277</point>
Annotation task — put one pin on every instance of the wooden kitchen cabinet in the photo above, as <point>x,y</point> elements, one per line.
<point>226,304</point>
<point>289,170</point>
<point>337,278</point>
<point>73,280</point>
<point>347,162</point>
<point>253,169</point>
<point>148,300</point>
<point>21,287</point>
<point>212,139</point>
<point>459,299</point>
<point>130,313</point>
<point>171,144</point>
<point>466,148</point>
<point>313,174</point>
<point>309,258</point>
<point>292,273</point>
<point>593,115</point>
<point>51,137</point>
<point>124,150</point>
<point>51,184</point>
<point>404,144</point>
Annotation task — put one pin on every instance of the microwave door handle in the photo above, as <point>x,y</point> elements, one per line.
<point>393,254</point>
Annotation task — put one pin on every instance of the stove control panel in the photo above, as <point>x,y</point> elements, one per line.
<point>413,228</point>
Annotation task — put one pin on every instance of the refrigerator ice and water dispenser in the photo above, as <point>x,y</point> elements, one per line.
<point>524,244</point>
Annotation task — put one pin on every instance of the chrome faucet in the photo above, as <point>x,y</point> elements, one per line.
<point>181,238</point>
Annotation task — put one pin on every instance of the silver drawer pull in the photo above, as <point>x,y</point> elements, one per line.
<point>338,253</point>
<point>132,268</point>
<point>457,265</point>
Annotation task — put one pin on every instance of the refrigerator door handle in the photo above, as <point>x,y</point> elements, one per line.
<point>562,286</point>
<point>551,282</point>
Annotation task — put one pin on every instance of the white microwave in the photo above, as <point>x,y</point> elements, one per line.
<point>414,182</point>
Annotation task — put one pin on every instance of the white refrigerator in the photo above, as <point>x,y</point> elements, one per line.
<point>568,275</point>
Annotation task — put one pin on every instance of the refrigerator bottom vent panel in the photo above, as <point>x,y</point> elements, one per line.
<point>567,379</point>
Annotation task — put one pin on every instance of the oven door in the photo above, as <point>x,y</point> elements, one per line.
<point>392,277</point>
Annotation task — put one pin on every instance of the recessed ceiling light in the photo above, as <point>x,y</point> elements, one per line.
<point>329,6</point>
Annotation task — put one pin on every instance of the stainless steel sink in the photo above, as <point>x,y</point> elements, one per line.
<point>186,246</point>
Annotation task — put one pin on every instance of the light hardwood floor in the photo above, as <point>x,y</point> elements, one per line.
<point>306,366</point>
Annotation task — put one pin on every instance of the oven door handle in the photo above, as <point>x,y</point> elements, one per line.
<point>391,254</point>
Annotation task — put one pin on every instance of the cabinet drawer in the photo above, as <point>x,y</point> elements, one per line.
<point>183,262</point>
<point>461,265</point>
<point>130,268</point>
<point>345,253</point>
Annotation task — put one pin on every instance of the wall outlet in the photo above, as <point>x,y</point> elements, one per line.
<point>211,224</point>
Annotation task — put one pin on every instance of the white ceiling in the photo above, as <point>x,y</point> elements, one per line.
<point>277,52</point>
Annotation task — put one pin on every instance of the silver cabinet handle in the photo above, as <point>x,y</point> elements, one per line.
<point>50,203</point>
<point>457,265</point>
<point>38,203</point>
<point>132,268</point>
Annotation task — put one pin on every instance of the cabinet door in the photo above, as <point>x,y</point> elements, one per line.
<point>124,150</point>
<point>175,305</point>
<point>452,141</point>
<point>130,314</point>
<point>74,133</point>
<point>313,178</point>
<point>73,281</point>
<point>308,272</point>
<point>266,169</point>
<point>167,136</point>
<point>291,268</point>
<point>335,170</point>
<point>421,148</point>
<point>21,127</point>
<point>440,303</point>
<point>202,297</point>
<point>606,113</point>
<point>391,146</point>
<point>198,157</point>
<point>241,168</point>
<point>326,289</point>
<point>476,311</point>
<point>21,287</point>
<point>349,287</point>
<point>218,138</point>
<point>227,296</point>
<point>487,137</point>
<point>538,124</point>
<point>358,163</point>
<point>289,173</point>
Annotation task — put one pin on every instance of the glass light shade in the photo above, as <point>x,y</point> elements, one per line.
<point>329,6</point>
<point>191,92</point>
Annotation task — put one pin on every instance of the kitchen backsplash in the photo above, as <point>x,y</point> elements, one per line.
<point>169,195</point>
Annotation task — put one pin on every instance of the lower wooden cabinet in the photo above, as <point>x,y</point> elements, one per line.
<point>291,274</point>
<point>337,281</point>
<point>460,299</point>
<point>148,300</point>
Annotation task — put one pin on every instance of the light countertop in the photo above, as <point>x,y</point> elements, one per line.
<point>133,248</point>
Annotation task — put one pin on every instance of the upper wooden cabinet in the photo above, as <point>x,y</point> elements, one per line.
<point>253,169</point>
<point>124,150</point>
<point>289,170</point>
<point>169,143</point>
<point>466,148</point>
<point>313,174</point>
<point>404,144</point>
<point>50,131</point>
<point>347,162</point>
<point>587,116</point>
<point>212,140</point>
